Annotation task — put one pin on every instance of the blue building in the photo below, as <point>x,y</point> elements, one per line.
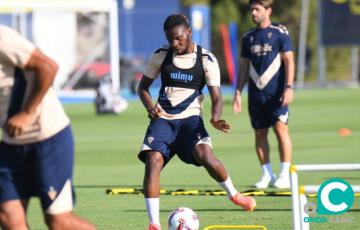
<point>141,25</point>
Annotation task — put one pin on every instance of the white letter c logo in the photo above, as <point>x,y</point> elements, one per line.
<point>325,193</point>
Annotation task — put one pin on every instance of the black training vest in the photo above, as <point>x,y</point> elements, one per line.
<point>192,78</point>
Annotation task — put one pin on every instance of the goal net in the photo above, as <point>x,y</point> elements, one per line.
<point>81,35</point>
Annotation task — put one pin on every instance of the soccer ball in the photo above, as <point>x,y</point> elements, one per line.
<point>183,219</point>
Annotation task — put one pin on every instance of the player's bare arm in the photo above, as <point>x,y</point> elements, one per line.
<point>216,109</point>
<point>145,97</point>
<point>45,70</point>
<point>288,96</point>
<point>242,78</point>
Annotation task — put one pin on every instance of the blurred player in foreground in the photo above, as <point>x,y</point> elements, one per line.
<point>176,125</point>
<point>267,56</point>
<point>36,151</point>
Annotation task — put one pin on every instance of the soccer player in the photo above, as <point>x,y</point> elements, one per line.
<point>267,57</point>
<point>36,150</point>
<point>176,125</point>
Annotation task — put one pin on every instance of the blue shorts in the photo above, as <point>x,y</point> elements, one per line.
<point>170,137</point>
<point>266,110</point>
<point>40,169</point>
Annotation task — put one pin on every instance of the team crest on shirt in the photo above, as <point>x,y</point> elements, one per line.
<point>269,35</point>
<point>251,39</point>
<point>150,139</point>
<point>52,193</point>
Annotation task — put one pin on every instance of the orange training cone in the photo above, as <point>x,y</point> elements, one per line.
<point>344,132</point>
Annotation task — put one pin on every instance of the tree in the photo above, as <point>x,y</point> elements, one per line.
<point>287,13</point>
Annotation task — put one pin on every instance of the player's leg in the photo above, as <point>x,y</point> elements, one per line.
<point>153,165</point>
<point>15,186</point>
<point>194,147</point>
<point>279,119</point>
<point>53,168</point>
<point>285,150</point>
<point>13,215</point>
<point>284,140</point>
<point>263,153</point>
<point>260,122</point>
<point>155,153</point>
<point>204,155</point>
<point>67,221</point>
<point>262,146</point>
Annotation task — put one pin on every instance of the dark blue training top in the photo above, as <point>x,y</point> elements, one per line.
<point>263,47</point>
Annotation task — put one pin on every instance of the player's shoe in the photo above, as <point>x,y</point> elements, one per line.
<point>265,181</point>
<point>282,182</point>
<point>154,227</point>
<point>246,202</point>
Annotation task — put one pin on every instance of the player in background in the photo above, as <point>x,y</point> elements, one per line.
<point>267,57</point>
<point>36,150</point>
<point>176,125</point>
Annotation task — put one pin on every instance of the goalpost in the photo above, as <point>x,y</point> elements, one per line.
<point>81,35</point>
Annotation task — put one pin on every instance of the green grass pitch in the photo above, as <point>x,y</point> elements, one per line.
<point>106,157</point>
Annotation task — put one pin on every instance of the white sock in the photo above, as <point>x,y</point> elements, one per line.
<point>153,210</point>
<point>267,170</point>
<point>284,171</point>
<point>228,186</point>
